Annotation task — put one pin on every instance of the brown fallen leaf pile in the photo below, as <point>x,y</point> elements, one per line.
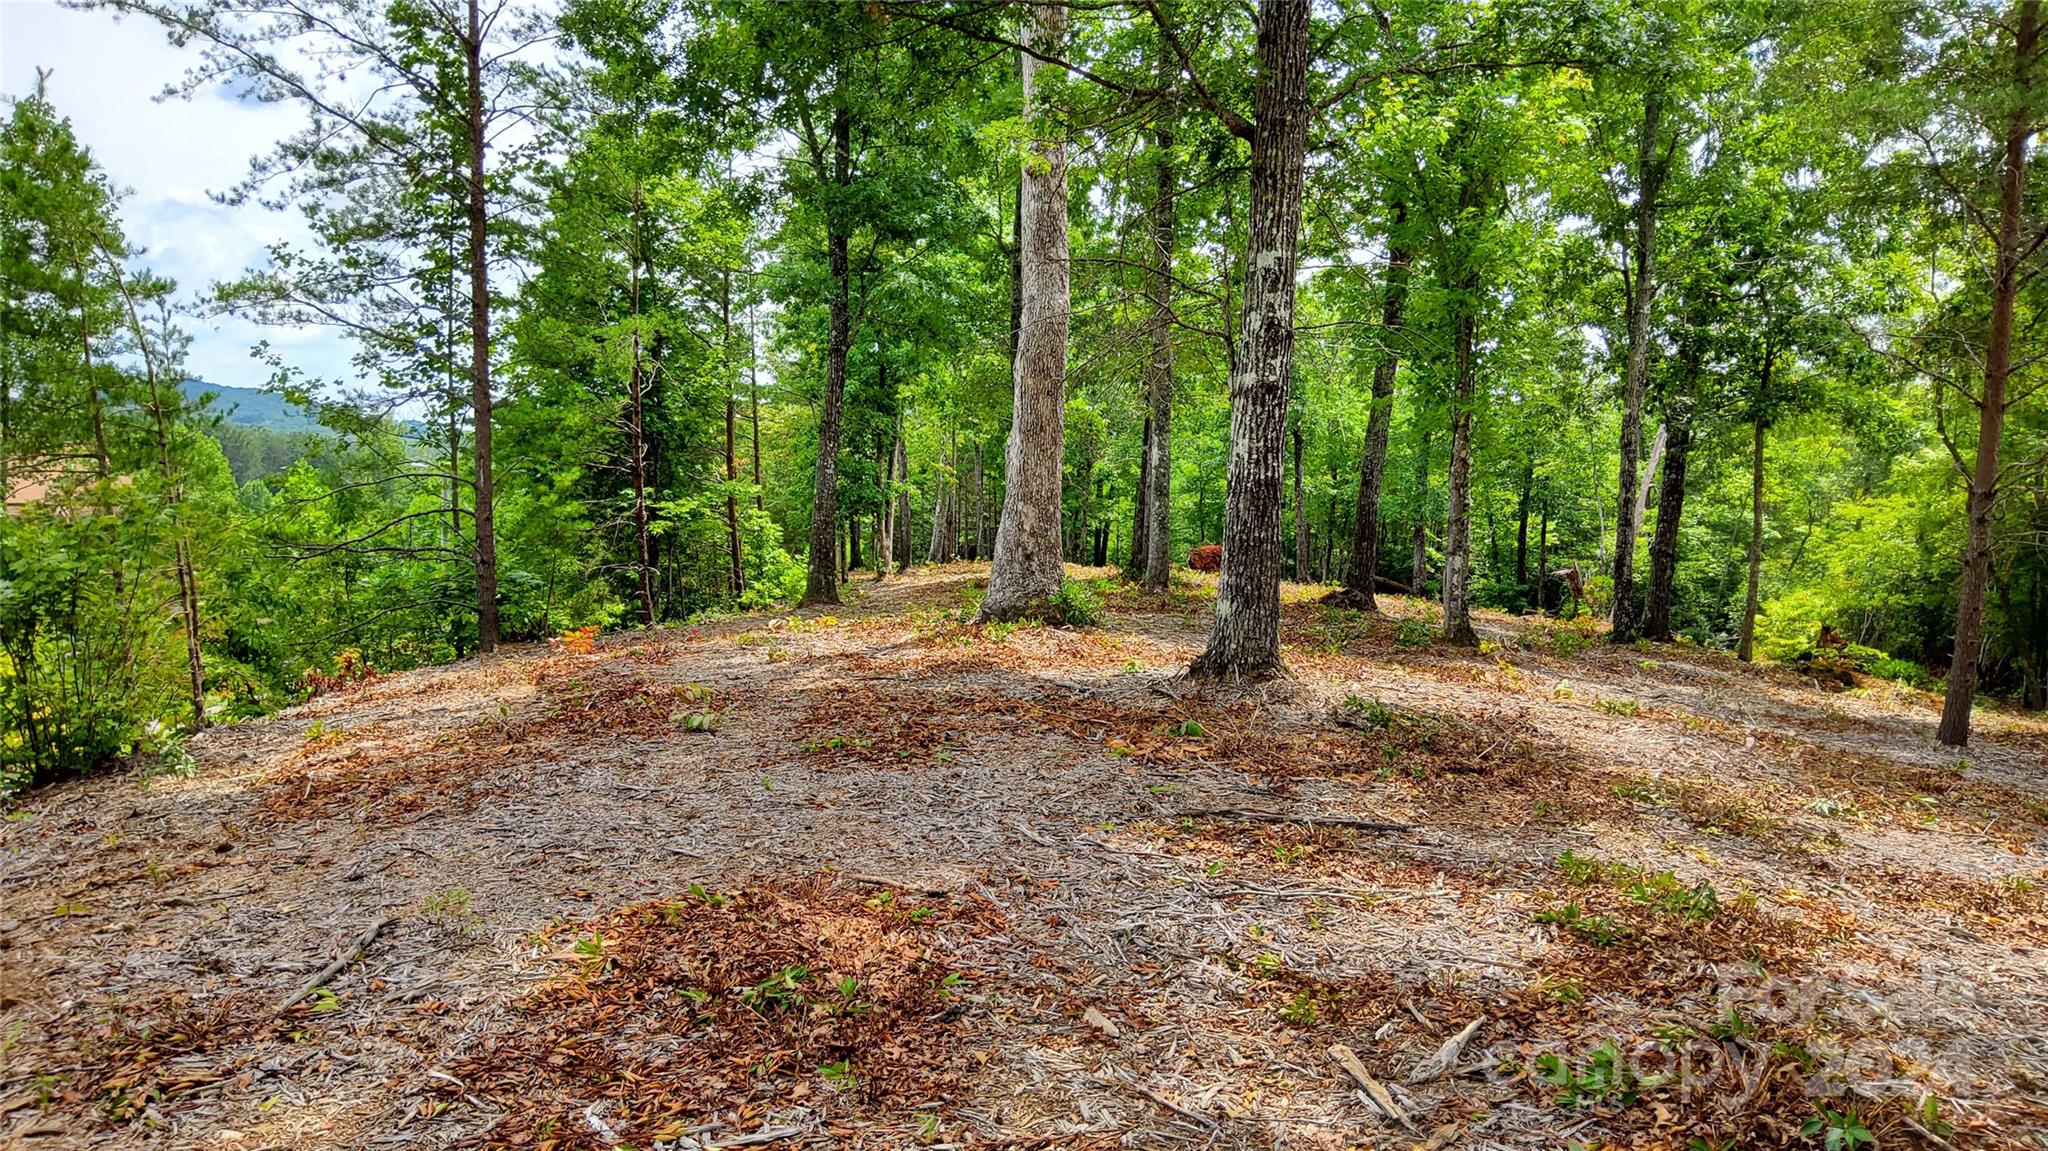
<point>724,1010</point>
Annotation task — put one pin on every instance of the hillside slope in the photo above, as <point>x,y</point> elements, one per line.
<point>883,880</point>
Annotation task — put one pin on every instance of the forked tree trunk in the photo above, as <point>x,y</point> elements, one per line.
<point>1642,289</point>
<point>1969,646</point>
<point>1156,561</point>
<point>477,212</point>
<point>1363,571</point>
<point>1027,569</point>
<point>821,584</point>
<point>1245,641</point>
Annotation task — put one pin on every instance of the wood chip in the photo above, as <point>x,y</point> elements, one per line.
<point>1446,1056</point>
<point>1103,1023</point>
<point>1374,1089</point>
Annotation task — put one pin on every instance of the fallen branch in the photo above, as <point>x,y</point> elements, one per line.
<point>1283,817</point>
<point>1374,1089</point>
<point>1447,1055</point>
<point>1205,1121</point>
<point>765,1135</point>
<point>341,962</point>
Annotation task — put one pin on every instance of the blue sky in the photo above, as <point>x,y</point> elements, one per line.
<point>169,156</point>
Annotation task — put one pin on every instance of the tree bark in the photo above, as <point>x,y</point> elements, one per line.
<point>1745,648</point>
<point>1522,523</point>
<point>1027,570</point>
<point>821,584</point>
<point>901,541</point>
<point>1457,589</point>
<point>483,516</point>
<point>1664,544</point>
<point>1245,641</point>
<point>1156,562</point>
<point>1983,498</point>
<point>1642,289</point>
<point>732,459</point>
<point>1363,571</point>
<point>1138,520</point>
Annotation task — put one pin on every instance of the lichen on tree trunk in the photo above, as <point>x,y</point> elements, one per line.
<point>1244,642</point>
<point>1026,569</point>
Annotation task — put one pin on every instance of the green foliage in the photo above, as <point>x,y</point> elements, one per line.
<point>1077,604</point>
<point>1604,1079</point>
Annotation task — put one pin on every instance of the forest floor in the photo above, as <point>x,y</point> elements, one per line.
<point>879,880</point>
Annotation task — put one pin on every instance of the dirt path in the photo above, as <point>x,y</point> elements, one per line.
<point>882,880</point>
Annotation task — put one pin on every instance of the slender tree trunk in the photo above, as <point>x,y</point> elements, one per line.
<point>181,547</point>
<point>885,527</point>
<point>822,583</point>
<point>1543,560</point>
<point>483,516</point>
<point>732,459</point>
<point>1457,589</point>
<point>1156,562</point>
<point>1245,641</point>
<point>981,540</point>
<point>1642,290</point>
<point>636,434</point>
<point>1664,544</point>
<point>1522,524</point>
<point>1138,518</point>
<point>1746,649</point>
<point>1027,568</point>
<point>1983,498</point>
<point>754,412</point>
<point>1363,571</point>
<point>853,556</point>
<point>1302,543</point>
<point>902,468</point>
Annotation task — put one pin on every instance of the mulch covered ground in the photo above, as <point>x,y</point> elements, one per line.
<point>881,879</point>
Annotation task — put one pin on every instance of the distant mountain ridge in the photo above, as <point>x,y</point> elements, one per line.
<point>251,407</point>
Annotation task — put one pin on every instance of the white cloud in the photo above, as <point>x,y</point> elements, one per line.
<point>170,156</point>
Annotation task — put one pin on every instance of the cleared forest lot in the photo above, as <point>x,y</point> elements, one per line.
<point>882,879</point>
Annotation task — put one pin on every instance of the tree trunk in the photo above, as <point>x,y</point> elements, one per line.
<point>1664,544</point>
<point>1138,518</point>
<point>732,459</point>
<point>1969,646</point>
<point>885,516</point>
<point>1027,568</point>
<point>1522,524</point>
<point>1363,571</point>
<point>1155,563</point>
<point>1745,648</point>
<point>821,584</point>
<point>754,415</point>
<point>1457,589</point>
<point>483,516</point>
<point>901,541</point>
<point>1245,641</point>
<point>1543,559</point>
<point>1642,289</point>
